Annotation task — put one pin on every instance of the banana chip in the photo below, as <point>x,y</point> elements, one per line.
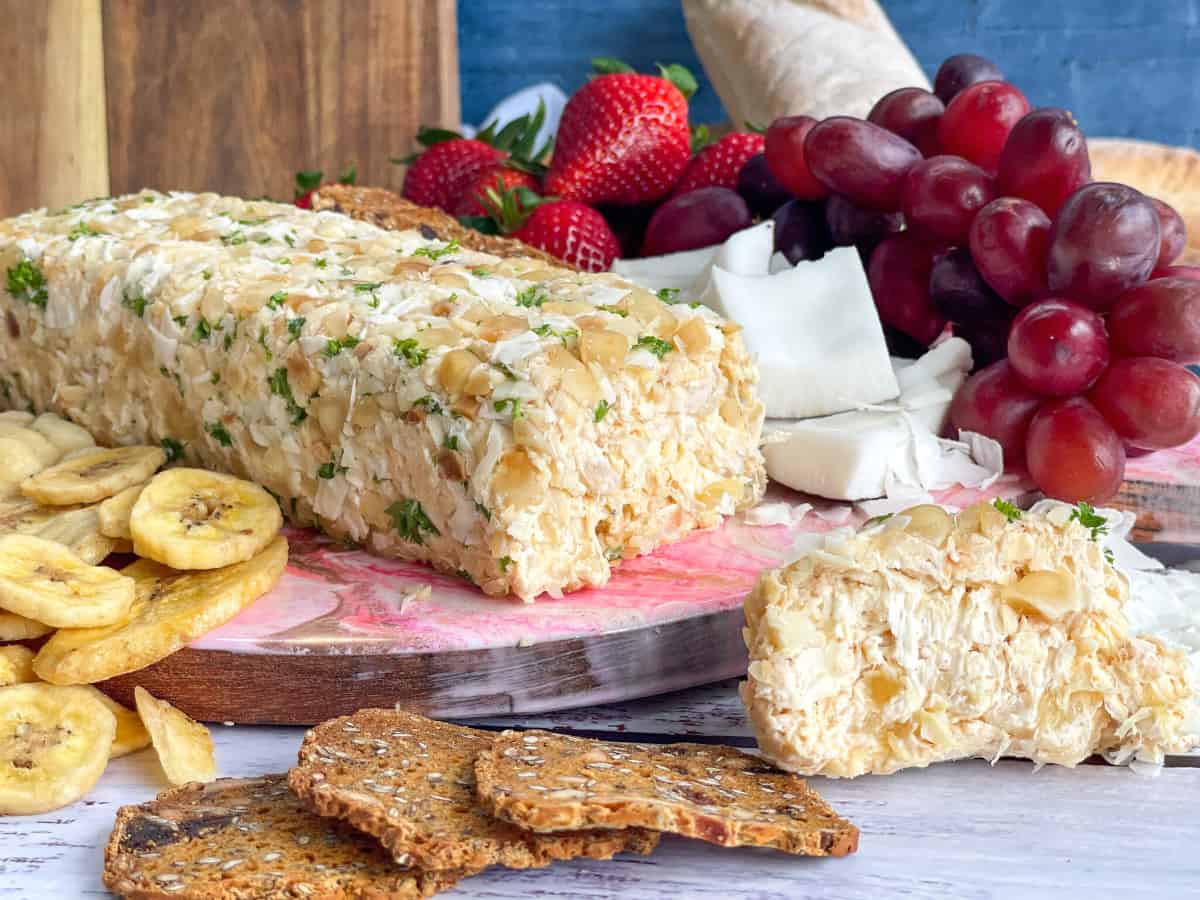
<point>131,734</point>
<point>23,453</point>
<point>16,417</point>
<point>79,531</point>
<point>115,511</point>
<point>94,475</point>
<point>44,581</point>
<point>16,665</point>
<point>193,519</point>
<point>183,745</point>
<point>66,436</point>
<point>54,744</point>
<point>170,611</point>
<point>19,628</point>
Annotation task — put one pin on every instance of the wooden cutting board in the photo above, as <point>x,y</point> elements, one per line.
<point>110,96</point>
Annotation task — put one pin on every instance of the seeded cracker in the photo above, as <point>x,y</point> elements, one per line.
<point>250,837</point>
<point>410,782</point>
<point>548,782</point>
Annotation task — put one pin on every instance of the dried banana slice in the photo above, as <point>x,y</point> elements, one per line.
<point>20,514</point>
<point>45,581</point>
<point>79,531</point>
<point>183,745</point>
<point>16,665</point>
<point>93,476</point>
<point>115,511</point>
<point>131,734</point>
<point>23,453</point>
<point>19,628</point>
<point>54,744</point>
<point>66,436</point>
<point>16,417</point>
<point>193,519</point>
<point>171,610</point>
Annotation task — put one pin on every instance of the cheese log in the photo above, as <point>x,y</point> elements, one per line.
<point>518,424</point>
<point>927,639</point>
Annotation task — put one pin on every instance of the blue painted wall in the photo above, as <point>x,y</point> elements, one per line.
<point>1124,68</point>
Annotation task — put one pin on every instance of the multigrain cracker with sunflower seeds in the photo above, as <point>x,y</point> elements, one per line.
<point>410,782</point>
<point>549,782</point>
<point>250,837</point>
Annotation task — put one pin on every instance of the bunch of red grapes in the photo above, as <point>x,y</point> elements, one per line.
<point>974,211</point>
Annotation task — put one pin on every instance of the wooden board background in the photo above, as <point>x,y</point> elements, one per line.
<point>109,96</point>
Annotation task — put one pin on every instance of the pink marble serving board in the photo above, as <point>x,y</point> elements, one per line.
<point>336,600</point>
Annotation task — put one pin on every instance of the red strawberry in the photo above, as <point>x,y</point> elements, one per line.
<point>718,165</point>
<point>444,172</point>
<point>623,138</point>
<point>474,198</point>
<point>573,232</point>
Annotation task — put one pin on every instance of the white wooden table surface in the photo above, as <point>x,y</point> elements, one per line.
<point>961,830</point>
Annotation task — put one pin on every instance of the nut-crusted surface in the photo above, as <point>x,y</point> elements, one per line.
<point>548,782</point>
<point>518,423</point>
<point>389,210</point>
<point>913,642</point>
<point>242,838</point>
<point>410,782</point>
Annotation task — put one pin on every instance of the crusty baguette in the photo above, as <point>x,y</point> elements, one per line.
<point>1172,174</point>
<point>391,211</point>
<point>771,58</point>
<point>520,424</point>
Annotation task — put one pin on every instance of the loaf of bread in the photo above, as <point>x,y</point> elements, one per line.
<point>520,424</point>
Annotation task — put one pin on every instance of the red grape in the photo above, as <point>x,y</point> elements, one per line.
<point>801,232</point>
<point>1172,232</point>
<point>978,120</point>
<point>861,160</point>
<point>993,402</point>
<point>850,224</point>
<point>1151,403</point>
<point>1009,239</point>
<point>698,218</point>
<point>942,194</point>
<point>1072,453</point>
<point>1057,347</point>
<point>988,340</point>
<point>912,113</point>
<point>1045,159</point>
<point>759,188</point>
<point>1191,273</point>
<point>962,296</point>
<point>963,70</point>
<point>784,150</point>
<point>1103,242</point>
<point>1159,318</point>
<point>899,276</point>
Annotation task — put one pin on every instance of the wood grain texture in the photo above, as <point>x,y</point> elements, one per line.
<point>53,148</point>
<point>236,96</point>
<point>965,831</point>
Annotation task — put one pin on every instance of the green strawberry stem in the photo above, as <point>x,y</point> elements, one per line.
<point>680,77</point>
<point>607,65</point>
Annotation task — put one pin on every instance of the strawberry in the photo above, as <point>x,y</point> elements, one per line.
<point>444,172</point>
<point>623,137</point>
<point>308,180</point>
<point>474,200</point>
<point>573,232</point>
<point>718,165</point>
<point>453,169</point>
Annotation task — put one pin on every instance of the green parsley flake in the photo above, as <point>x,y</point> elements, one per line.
<point>216,378</point>
<point>207,274</point>
<point>615,310</point>
<point>450,442</point>
<point>330,469</point>
<point>367,287</point>
<point>290,240</point>
<point>512,404</point>
<point>233,239</point>
<point>410,351</point>
<point>136,303</point>
<point>410,521</point>
<point>294,327</point>
<point>276,299</point>
<point>534,295</point>
<point>203,330</point>
<point>228,340</point>
<point>320,263</point>
<point>657,346</point>
<point>436,253</point>
<point>505,562</point>
<point>334,346</point>
<point>428,404</point>
<point>505,370</point>
<point>668,295</point>
<point>173,449</point>
<point>1010,510</point>
<point>480,273</point>
<point>281,387</point>
<point>1085,514</point>
<point>181,321</point>
<point>601,410</point>
<point>543,331</point>
<point>219,434</point>
<point>262,342</point>
<point>877,520</point>
<point>483,510</point>
<point>82,230</point>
